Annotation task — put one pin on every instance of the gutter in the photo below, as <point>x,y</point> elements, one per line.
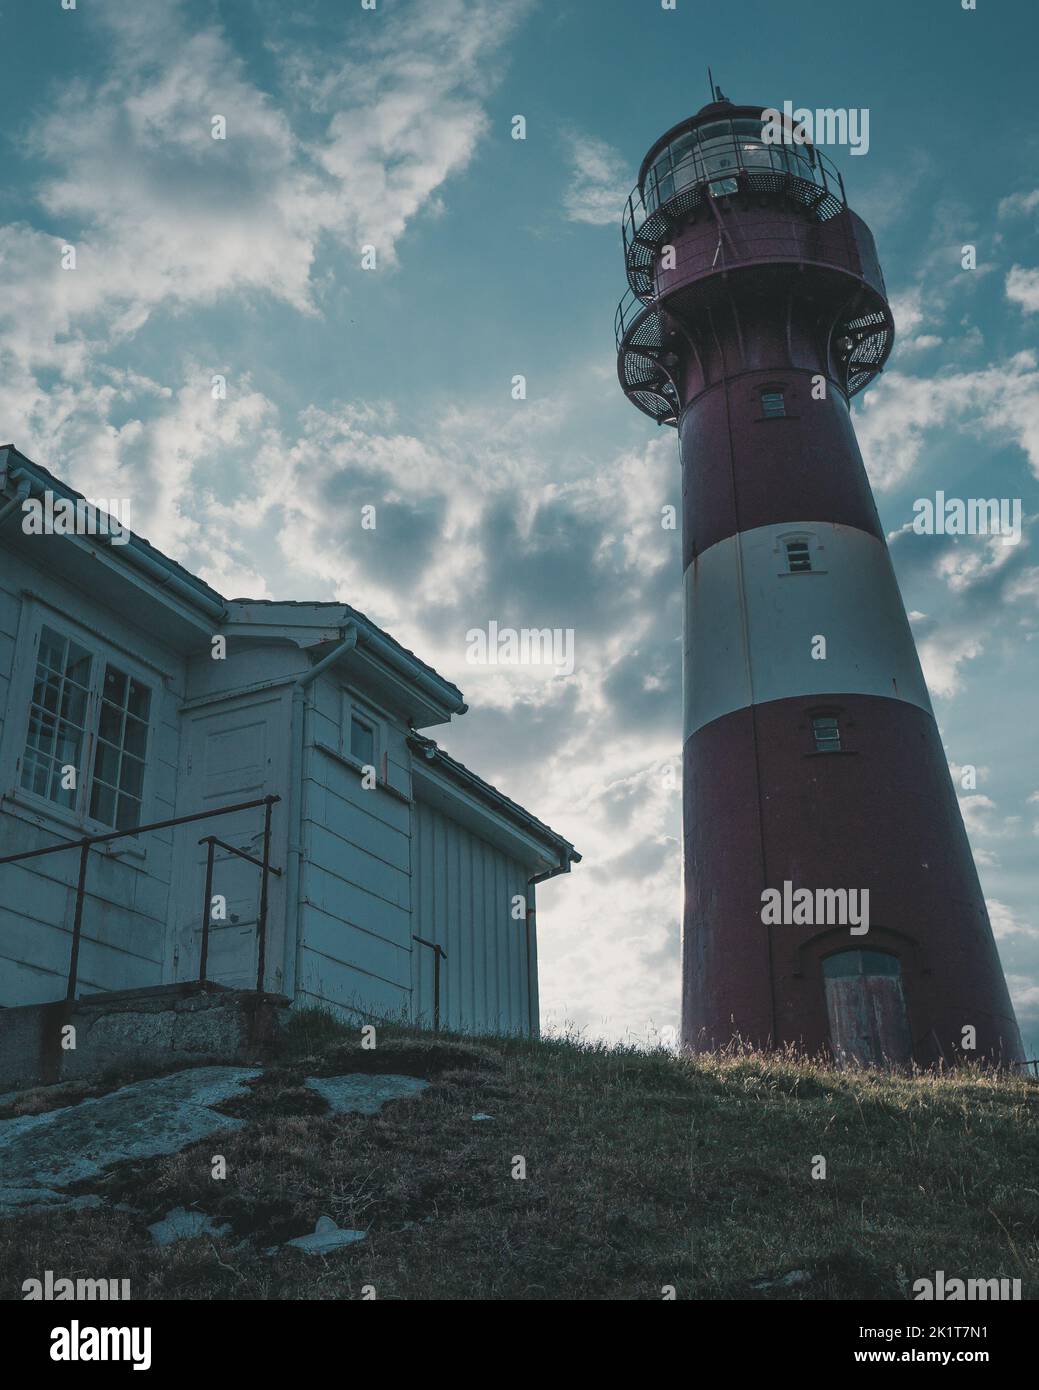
<point>505,806</point>
<point>297,754</point>
<point>24,488</point>
<point>430,685</point>
<point>166,579</point>
<point>533,1000</point>
<point>160,573</point>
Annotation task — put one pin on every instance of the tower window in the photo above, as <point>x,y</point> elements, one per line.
<point>798,557</point>
<point>773,404</point>
<point>827,733</point>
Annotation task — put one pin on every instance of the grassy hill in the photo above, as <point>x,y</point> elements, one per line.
<point>643,1170</point>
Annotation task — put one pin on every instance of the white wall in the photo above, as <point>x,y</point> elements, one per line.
<point>464,898</point>
<point>125,910</point>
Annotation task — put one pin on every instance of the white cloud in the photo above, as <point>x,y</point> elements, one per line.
<point>941,657</point>
<point>1022,287</point>
<point>599,182</point>
<point>968,564</point>
<point>161,214</point>
<point>1008,923</point>
<point>1000,401</point>
<point>1019,203</point>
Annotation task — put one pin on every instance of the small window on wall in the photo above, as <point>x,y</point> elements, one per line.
<point>798,557</point>
<point>773,404</point>
<point>362,740</point>
<point>826,731</point>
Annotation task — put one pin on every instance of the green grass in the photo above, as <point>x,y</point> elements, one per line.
<point>643,1170</point>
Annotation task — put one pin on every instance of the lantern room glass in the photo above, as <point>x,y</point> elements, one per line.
<point>714,153</point>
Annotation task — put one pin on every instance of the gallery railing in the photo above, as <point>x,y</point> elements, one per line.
<point>86,844</point>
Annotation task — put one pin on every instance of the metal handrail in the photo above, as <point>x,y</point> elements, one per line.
<point>439,954</point>
<point>691,174</point>
<point>87,842</point>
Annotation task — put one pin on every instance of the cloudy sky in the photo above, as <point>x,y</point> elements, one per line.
<point>495,257</point>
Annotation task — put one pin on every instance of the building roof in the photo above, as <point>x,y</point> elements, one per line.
<point>12,460</point>
<point>497,800</point>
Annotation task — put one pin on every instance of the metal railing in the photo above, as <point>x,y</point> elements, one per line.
<point>439,954</point>
<point>711,170</point>
<point>87,842</point>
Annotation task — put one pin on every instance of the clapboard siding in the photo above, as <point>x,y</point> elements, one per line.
<point>325,981</point>
<point>126,904</point>
<point>463,901</point>
<point>364,951</point>
<point>356,876</point>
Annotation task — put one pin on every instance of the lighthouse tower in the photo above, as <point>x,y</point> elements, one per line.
<point>831,898</point>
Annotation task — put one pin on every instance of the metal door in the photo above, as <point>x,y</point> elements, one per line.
<point>869,1024</point>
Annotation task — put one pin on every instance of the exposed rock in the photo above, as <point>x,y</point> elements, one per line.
<point>181,1224</point>
<point>325,1237</point>
<point>363,1094</point>
<point>42,1154</point>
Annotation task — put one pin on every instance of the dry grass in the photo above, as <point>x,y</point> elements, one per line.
<point>643,1170</point>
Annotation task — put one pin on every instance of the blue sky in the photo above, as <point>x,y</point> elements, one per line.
<point>499,257</point>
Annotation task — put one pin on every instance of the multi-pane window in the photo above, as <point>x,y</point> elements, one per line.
<point>773,404</point>
<point>57,719</point>
<point>827,733</point>
<point>122,740</point>
<point>798,557</point>
<point>67,714</point>
<point>362,741</point>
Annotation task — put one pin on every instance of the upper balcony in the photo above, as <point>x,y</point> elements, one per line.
<point>711,159</point>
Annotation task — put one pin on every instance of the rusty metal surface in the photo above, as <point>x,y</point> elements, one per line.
<point>868,1022</point>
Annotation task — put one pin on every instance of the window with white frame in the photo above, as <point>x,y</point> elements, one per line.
<point>362,739</point>
<point>360,732</point>
<point>798,557</point>
<point>799,552</point>
<point>87,737</point>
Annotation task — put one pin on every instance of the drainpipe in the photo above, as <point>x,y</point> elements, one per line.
<point>533,1004</point>
<point>297,755</point>
<point>23,490</point>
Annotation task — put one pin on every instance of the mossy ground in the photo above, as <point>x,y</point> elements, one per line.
<point>643,1170</point>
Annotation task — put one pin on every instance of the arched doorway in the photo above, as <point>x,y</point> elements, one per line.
<point>866,1008</point>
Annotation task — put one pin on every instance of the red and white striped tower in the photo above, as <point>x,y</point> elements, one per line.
<point>756,310</point>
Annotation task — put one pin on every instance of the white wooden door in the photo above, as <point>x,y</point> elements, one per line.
<point>235,753</point>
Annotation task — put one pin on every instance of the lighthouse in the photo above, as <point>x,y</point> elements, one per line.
<point>830,895</point>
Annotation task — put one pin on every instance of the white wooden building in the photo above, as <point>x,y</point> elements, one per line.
<point>108,665</point>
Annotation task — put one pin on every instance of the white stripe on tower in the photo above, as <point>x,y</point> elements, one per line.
<point>751,624</point>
